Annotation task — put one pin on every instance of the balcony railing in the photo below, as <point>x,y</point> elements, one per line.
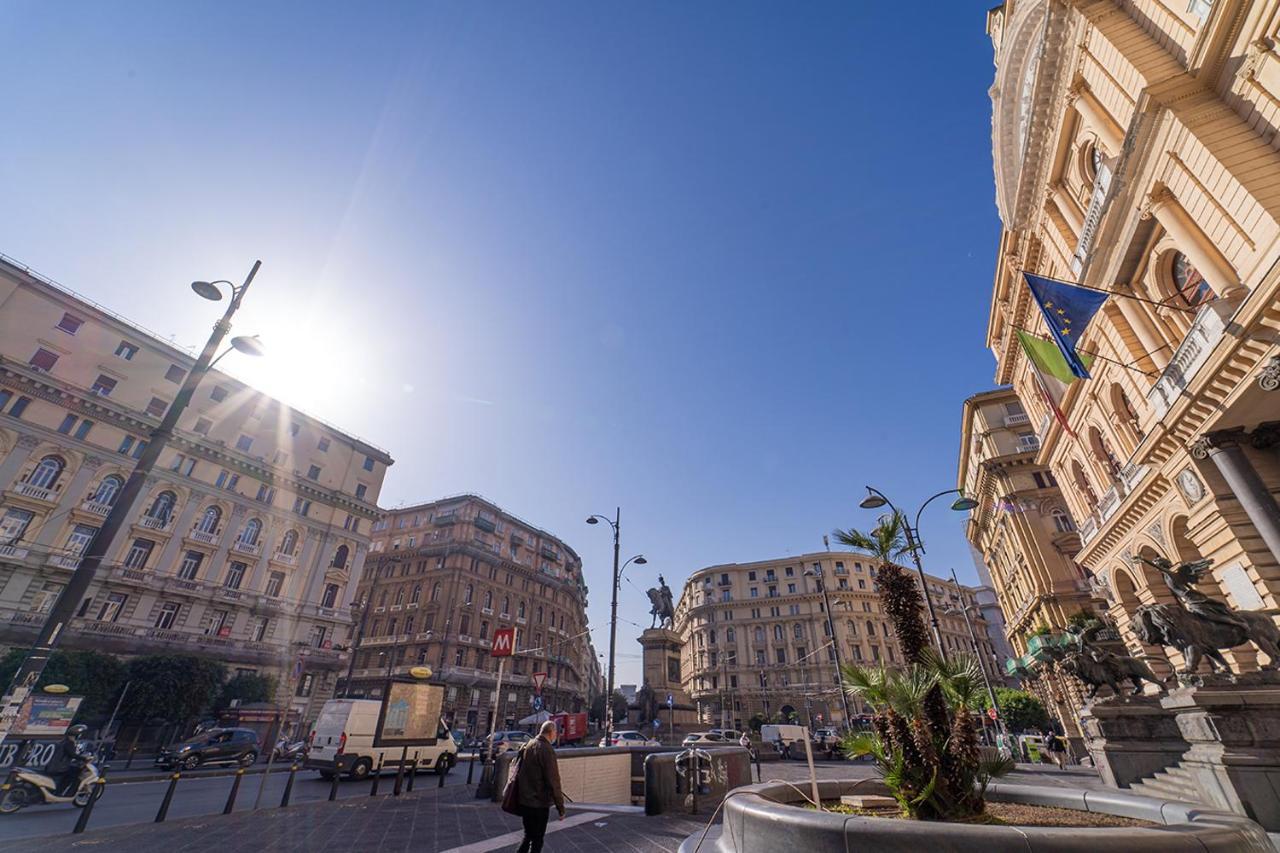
<point>150,522</point>
<point>287,559</point>
<point>1017,420</point>
<point>246,547</point>
<point>63,561</point>
<point>29,491</point>
<point>96,507</point>
<point>1206,330</point>
<point>13,552</point>
<point>1028,443</point>
<point>202,536</point>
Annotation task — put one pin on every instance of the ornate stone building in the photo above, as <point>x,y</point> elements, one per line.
<point>444,576</point>
<point>248,540</point>
<point>1135,152</point>
<point>742,621</point>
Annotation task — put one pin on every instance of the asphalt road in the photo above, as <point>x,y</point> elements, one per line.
<point>137,802</point>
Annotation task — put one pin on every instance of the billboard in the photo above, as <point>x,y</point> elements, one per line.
<point>46,714</point>
<point>410,714</point>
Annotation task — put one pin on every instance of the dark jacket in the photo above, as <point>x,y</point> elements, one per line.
<point>538,785</point>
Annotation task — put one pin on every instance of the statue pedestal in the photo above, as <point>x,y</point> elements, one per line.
<point>1130,738</point>
<point>1234,734</point>
<point>662,675</point>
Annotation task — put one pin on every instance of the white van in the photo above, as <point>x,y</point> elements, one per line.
<point>782,734</point>
<point>342,742</point>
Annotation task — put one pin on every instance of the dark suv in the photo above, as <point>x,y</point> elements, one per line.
<point>215,746</point>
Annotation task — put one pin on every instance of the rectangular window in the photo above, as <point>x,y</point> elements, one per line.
<point>313,473</point>
<point>103,386</point>
<point>157,407</point>
<point>226,480</point>
<point>138,448</point>
<point>190,565</point>
<point>217,621</point>
<point>175,374</point>
<point>44,599</point>
<point>67,423</point>
<point>301,506</point>
<point>110,609</point>
<point>168,615</point>
<point>361,490</point>
<point>44,359</point>
<point>218,394</point>
<point>19,406</point>
<point>126,444</point>
<point>323,445</point>
<point>293,429</point>
<point>78,541</point>
<point>70,324</point>
<point>266,494</point>
<point>139,554</point>
<point>258,629</point>
<point>126,350</point>
<point>82,432</point>
<point>244,442</point>
<point>368,463</point>
<point>275,583</point>
<point>235,575</point>
<point>203,425</point>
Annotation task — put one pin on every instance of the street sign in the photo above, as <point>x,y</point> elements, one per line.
<point>991,712</point>
<point>504,643</point>
<point>670,701</point>
<point>539,679</point>
<point>657,724</point>
<point>536,703</point>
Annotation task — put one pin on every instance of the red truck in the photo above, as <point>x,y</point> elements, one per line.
<point>572,727</point>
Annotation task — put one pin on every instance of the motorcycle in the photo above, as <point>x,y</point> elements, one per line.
<point>28,787</point>
<point>287,751</point>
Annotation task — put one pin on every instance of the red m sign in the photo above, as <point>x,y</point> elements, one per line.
<point>504,643</point>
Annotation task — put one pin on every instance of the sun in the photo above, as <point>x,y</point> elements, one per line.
<point>300,368</point>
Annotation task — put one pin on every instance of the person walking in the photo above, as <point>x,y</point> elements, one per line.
<point>538,787</point>
<point>1057,750</point>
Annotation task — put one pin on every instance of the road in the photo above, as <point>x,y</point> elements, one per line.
<point>137,802</point>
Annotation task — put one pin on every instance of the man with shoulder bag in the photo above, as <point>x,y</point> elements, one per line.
<point>534,787</point>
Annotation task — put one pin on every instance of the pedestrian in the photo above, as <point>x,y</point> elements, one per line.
<point>1057,750</point>
<point>745,743</point>
<point>538,787</point>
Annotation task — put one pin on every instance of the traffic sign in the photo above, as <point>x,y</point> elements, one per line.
<point>657,723</point>
<point>670,701</point>
<point>991,712</point>
<point>504,643</point>
<point>539,679</point>
<point>536,702</point>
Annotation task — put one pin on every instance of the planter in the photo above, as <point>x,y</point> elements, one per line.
<point>768,818</point>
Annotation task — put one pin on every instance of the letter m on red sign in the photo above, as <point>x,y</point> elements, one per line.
<point>504,642</point>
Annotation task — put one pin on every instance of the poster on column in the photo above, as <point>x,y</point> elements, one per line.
<point>410,714</point>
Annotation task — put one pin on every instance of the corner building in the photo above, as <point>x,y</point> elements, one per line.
<point>248,540</point>
<point>1135,152</point>
<point>444,576</point>
<point>742,621</point>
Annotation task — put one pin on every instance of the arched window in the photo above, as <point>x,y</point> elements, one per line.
<point>108,489</point>
<point>871,628</point>
<point>382,599</point>
<point>289,543</point>
<point>777,633</point>
<point>797,630</point>
<point>466,596</point>
<point>47,471</point>
<point>1190,284</point>
<point>435,592</point>
<point>506,605</point>
<point>416,594</point>
<point>249,536</point>
<point>729,635</point>
<point>1102,452</point>
<point>759,633</point>
<point>162,507</point>
<point>209,521</point>
<point>488,600</point>
<point>399,596</point>
<point>340,557</point>
<point>1082,483</point>
<point>539,614</point>
<point>1061,520</point>
<point>520,610</point>
<point>484,631</point>
<point>1124,411</point>
<point>330,595</point>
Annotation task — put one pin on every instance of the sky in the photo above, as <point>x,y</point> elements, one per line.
<point>721,265</point>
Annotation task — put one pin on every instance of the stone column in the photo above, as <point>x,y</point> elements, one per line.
<point>1158,350</point>
<point>72,496</point>
<point>12,464</point>
<point>357,569</point>
<point>1098,119</point>
<point>1067,207</point>
<point>1224,449</point>
<point>185,521</point>
<point>1193,243</point>
<point>300,578</point>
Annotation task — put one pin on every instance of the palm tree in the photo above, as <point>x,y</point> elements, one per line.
<point>899,592</point>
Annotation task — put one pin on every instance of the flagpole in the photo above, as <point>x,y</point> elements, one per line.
<point>1132,296</point>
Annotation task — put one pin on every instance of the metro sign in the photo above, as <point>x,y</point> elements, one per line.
<point>504,643</point>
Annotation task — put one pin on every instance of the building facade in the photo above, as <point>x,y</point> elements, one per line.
<point>1135,152</point>
<point>757,639</point>
<point>247,542</point>
<point>443,577</point>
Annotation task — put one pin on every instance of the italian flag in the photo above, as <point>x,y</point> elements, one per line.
<point>1053,374</point>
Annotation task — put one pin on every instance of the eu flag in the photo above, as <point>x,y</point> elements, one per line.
<point>1067,310</point>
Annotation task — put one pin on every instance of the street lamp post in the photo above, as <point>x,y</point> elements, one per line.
<point>973,639</point>
<point>639,560</point>
<point>63,610</point>
<point>876,498</point>
<point>816,574</point>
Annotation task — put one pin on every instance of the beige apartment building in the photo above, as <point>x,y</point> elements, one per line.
<point>757,639</point>
<point>1135,152</point>
<point>448,573</point>
<point>248,540</point>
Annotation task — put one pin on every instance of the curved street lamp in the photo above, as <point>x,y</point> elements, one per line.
<point>639,560</point>
<point>876,498</point>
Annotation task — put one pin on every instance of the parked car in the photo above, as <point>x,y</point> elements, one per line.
<point>213,746</point>
<point>727,734</point>
<point>705,739</point>
<point>826,738</point>
<point>629,738</point>
<point>508,741</point>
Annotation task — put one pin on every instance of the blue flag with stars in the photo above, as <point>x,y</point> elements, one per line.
<point>1067,310</point>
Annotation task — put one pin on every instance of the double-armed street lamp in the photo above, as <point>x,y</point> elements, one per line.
<point>816,574</point>
<point>639,560</point>
<point>963,610</point>
<point>63,610</point>
<point>876,499</point>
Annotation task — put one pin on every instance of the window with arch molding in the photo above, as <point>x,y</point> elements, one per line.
<point>506,605</point>
<point>416,594</point>
<point>209,520</point>
<point>108,490</point>
<point>399,596</point>
<point>330,596</point>
<point>1190,284</point>
<point>777,633</point>
<point>1061,521</point>
<point>340,557</point>
<point>466,596</point>
<point>488,600</point>
<point>162,507</point>
<point>759,636</point>
<point>289,543</point>
<point>252,529</point>
<point>797,630</point>
<point>47,472</point>
<point>435,592</point>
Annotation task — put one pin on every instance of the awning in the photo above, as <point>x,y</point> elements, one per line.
<point>535,719</point>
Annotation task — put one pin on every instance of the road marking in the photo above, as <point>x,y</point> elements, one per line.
<point>511,838</point>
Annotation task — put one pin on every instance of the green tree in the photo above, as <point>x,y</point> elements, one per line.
<point>248,688</point>
<point>1021,710</point>
<point>96,676</point>
<point>756,722</point>
<point>619,704</point>
<point>174,688</point>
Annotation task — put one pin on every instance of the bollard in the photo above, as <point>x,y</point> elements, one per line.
<point>759,777</point>
<point>168,798</point>
<point>373,792</point>
<point>133,747</point>
<point>442,767</point>
<point>471,766</point>
<point>404,755</point>
<point>288,785</point>
<point>333,786</point>
<point>235,789</point>
<point>413,771</point>
<point>94,795</point>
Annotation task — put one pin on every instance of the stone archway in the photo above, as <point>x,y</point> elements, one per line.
<point>1128,599</point>
<point>1241,658</point>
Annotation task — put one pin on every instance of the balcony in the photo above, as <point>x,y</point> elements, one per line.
<point>96,508</point>
<point>286,559</point>
<point>1207,329</point>
<point>1028,443</point>
<point>202,536</point>
<point>450,517</point>
<point>63,561</point>
<point>1088,529</point>
<point>486,524</point>
<point>29,491</point>
<point>1017,420</point>
<point>13,552</point>
<point>246,547</point>
<point>153,523</point>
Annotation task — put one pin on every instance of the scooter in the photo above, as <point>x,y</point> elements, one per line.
<point>29,787</point>
<point>288,751</point>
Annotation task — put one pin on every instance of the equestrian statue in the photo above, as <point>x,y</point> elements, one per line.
<point>1096,666</point>
<point>662,608</point>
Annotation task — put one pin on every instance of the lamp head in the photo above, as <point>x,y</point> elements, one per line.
<point>207,290</point>
<point>872,501</point>
<point>593,520</point>
<point>249,345</point>
<point>640,561</point>
<point>964,504</point>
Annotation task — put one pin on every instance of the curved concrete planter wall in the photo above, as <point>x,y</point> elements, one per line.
<point>767,819</point>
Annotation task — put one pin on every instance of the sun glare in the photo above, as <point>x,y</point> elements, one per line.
<point>300,368</point>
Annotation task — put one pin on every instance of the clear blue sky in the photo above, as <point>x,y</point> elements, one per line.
<point>722,264</point>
